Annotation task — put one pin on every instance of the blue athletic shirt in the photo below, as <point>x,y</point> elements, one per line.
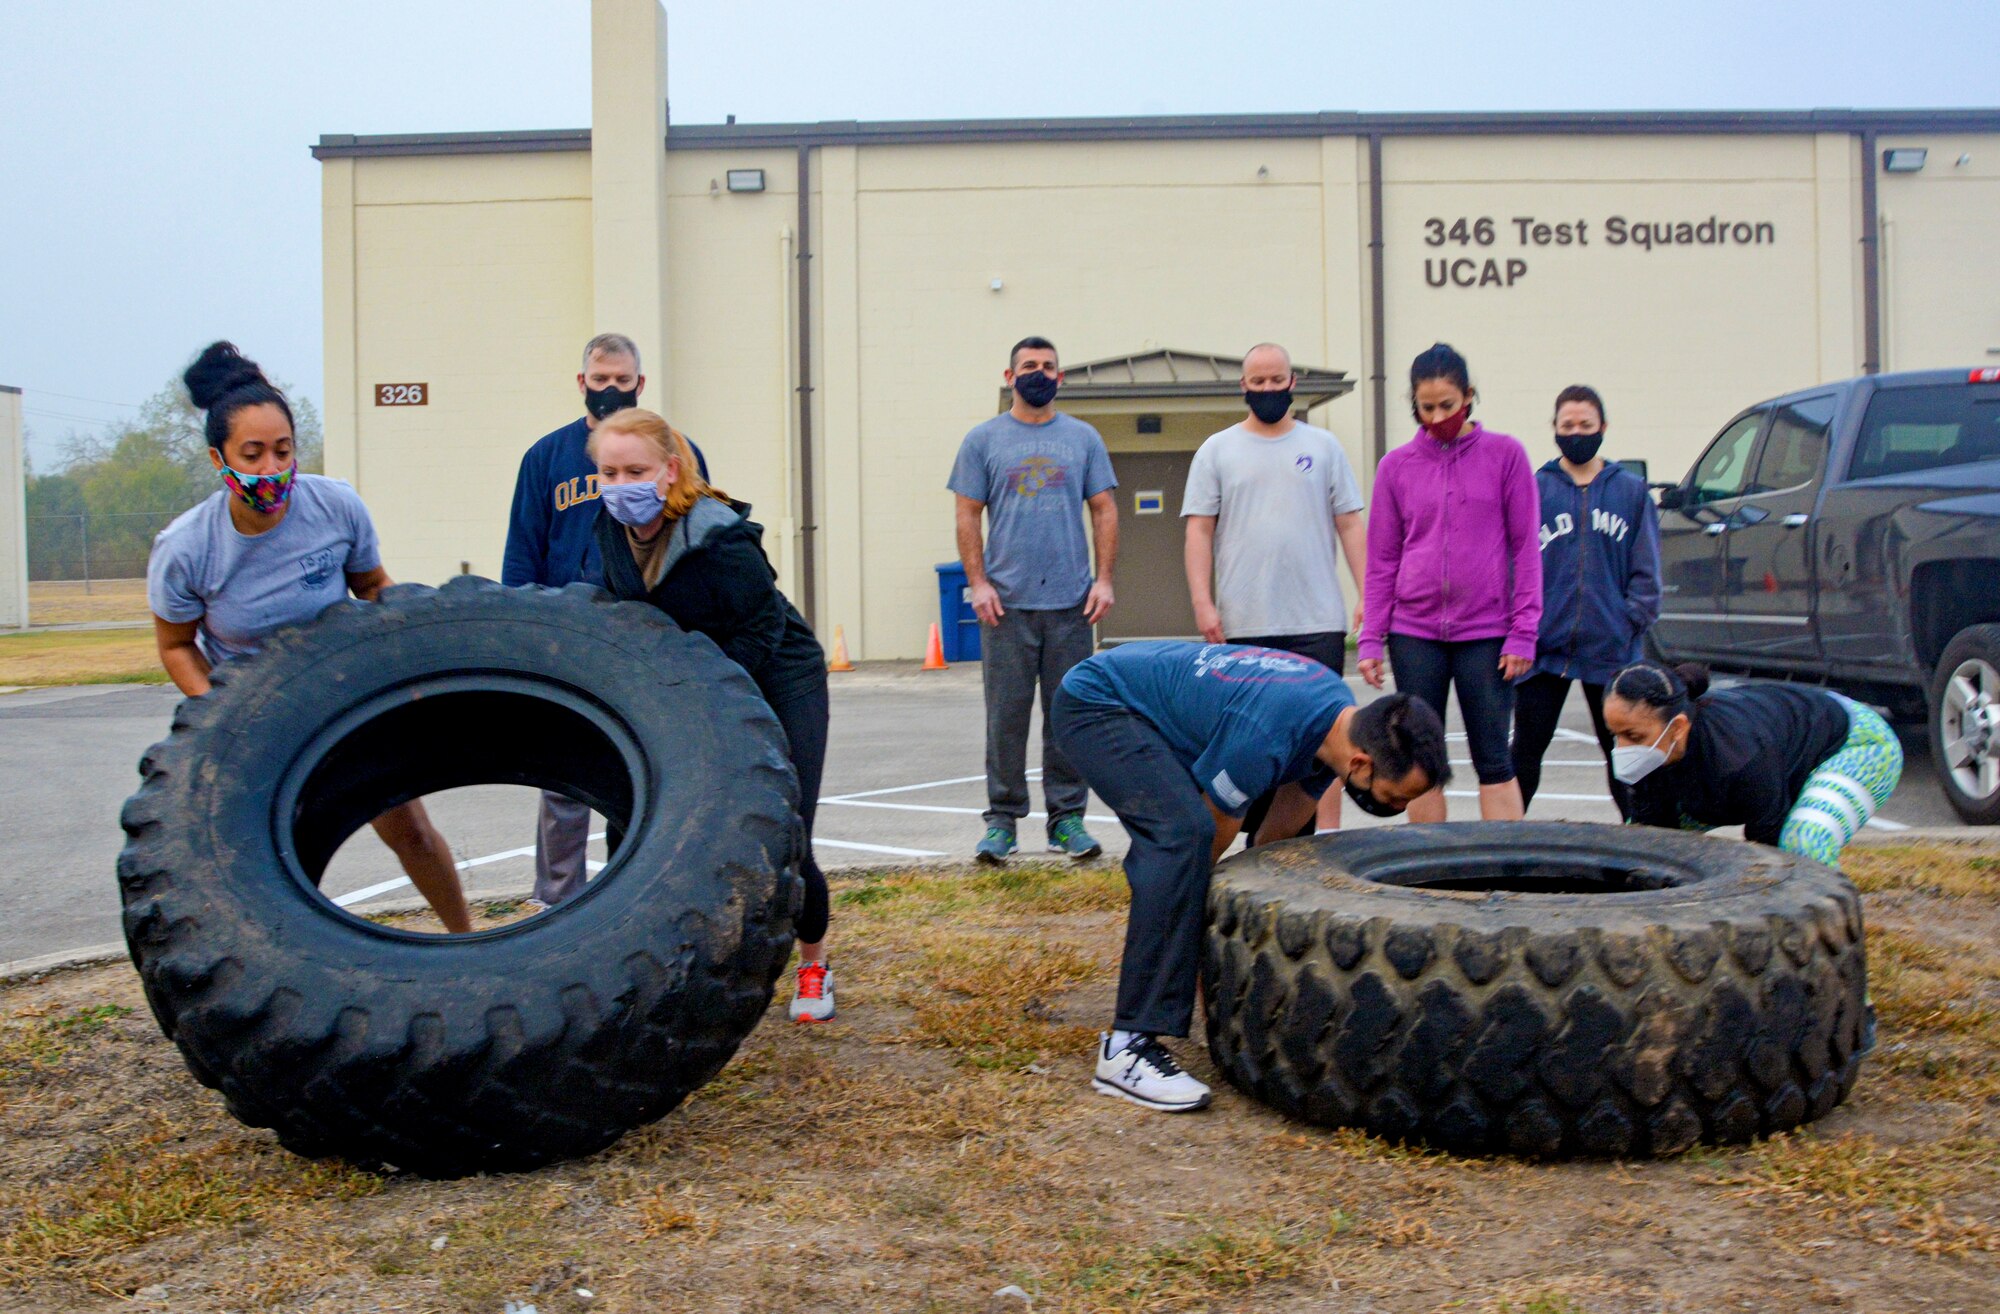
<point>1242,720</point>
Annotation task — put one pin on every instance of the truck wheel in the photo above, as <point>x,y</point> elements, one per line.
<point>1965,723</point>
<point>506,1049</point>
<point>1541,988</point>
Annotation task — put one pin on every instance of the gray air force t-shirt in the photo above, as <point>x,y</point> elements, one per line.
<point>241,586</point>
<point>1274,500</point>
<point>1034,480</point>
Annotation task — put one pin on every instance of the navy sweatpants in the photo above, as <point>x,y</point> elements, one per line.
<point>1128,762</point>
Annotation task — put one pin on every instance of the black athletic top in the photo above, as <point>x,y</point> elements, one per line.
<point>1747,760</point>
<point>715,580</point>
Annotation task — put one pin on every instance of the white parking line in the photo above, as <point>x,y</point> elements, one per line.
<point>878,848</point>
<point>1540,793</point>
<point>903,789</point>
<point>1883,823</point>
<point>368,892</point>
<point>957,812</point>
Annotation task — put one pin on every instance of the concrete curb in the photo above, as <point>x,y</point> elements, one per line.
<point>66,961</point>
<point>1985,837</point>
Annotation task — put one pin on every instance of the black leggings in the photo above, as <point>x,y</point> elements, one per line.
<point>1428,668</point>
<point>1538,704</point>
<point>804,714</point>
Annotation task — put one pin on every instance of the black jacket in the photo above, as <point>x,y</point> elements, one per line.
<point>1748,756</point>
<point>718,582</point>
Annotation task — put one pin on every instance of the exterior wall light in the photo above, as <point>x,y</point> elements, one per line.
<point>1904,159</point>
<point>746,180</point>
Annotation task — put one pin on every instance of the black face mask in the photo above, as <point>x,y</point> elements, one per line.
<point>1579,448</point>
<point>1036,389</point>
<point>603,403</point>
<point>1365,800</point>
<point>1271,406</point>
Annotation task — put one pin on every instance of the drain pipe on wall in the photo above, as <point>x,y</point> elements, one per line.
<point>1378,377</point>
<point>808,599</point>
<point>1871,262</point>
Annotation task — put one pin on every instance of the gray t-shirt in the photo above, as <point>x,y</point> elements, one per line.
<point>1274,500</point>
<point>241,586</point>
<point>1034,479</point>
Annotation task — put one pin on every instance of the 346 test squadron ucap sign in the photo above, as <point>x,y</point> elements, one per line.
<point>1529,232</point>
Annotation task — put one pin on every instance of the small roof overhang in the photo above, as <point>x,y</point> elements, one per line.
<point>1172,380</point>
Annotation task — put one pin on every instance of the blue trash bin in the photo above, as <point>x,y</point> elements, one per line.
<point>956,620</point>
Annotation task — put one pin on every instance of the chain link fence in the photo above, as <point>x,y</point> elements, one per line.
<point>87,547</point>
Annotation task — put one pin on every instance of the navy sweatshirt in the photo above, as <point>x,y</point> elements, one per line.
<point>549,535</point>
<point>1600,572</point>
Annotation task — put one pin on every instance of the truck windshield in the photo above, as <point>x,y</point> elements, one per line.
<point>1908,430</point>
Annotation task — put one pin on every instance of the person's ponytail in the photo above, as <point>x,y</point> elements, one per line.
<point>223,381</point>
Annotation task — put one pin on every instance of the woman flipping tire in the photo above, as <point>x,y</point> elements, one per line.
<point>509,1048</point>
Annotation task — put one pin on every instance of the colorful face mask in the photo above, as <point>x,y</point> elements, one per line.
<point>264,494</point>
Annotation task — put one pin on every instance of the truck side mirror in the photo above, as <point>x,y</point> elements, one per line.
<point>1672,496</point>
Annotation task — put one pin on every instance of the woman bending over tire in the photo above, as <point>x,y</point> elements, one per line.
<point>1454,590</point>
<point>1800,768</point>
<point>666,537</point>
<point>273,547</point>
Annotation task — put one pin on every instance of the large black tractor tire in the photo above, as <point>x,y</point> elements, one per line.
<point>507,1049</point>
<point>1543,989</point>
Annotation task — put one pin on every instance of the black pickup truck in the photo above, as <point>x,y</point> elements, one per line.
<point>1849,535</point>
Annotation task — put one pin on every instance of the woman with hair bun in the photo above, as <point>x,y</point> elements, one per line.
<point>666,537</point>
<point>273,547</point>
<point>1800,768</point>
<point>1454,591</point>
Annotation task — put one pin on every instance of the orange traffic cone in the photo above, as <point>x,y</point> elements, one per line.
<point>934,658</point>
<point>839,662</point>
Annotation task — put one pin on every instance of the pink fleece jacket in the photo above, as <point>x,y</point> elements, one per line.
<point>1453,547</point>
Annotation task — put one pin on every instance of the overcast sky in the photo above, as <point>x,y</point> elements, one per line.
<point>156,191</point>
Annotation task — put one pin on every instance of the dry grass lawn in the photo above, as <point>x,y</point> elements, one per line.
<point>69,602</point>
<point>940,1142</point>
<point>81,657</point>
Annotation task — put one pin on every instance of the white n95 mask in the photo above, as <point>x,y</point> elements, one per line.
<point>1632,764</point>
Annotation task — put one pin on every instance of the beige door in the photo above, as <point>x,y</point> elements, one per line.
<point>1152,585</point>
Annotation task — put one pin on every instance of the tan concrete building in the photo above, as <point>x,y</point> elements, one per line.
<point>827,307</point>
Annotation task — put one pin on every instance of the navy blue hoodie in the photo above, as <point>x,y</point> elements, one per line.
<point>549,539</point>
<point>1600,572</point>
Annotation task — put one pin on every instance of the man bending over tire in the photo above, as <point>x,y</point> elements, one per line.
<point>1178,738</point>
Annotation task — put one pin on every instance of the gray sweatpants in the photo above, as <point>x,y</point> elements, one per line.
<point>562,843</point>
<point>1025,649</point>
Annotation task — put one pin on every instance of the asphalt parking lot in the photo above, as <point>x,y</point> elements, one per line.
<point>904,784</point>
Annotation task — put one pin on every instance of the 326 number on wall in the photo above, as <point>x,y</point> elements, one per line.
<point>402,394</point>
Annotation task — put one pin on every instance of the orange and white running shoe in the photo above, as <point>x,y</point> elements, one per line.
<point>813,998</point>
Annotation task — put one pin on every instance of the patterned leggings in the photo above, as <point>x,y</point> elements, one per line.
<point>1844,792</point>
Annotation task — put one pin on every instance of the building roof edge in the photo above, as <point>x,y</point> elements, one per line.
<point>1339,123</point>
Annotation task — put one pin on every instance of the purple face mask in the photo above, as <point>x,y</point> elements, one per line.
<point>632,504</point>
<point>264,494</point>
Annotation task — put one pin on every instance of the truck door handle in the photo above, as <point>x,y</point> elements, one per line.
<point>1716,528</point>
<point>1796,520</point>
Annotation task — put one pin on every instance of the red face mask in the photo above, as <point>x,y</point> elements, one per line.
<point>1448,428</point>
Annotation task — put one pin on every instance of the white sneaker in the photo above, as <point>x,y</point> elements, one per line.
<point>1145,1073</point>
<point>812,1000</point>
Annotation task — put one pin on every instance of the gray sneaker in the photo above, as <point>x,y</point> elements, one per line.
<point>1069,836</point>
<point>995,847</point>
